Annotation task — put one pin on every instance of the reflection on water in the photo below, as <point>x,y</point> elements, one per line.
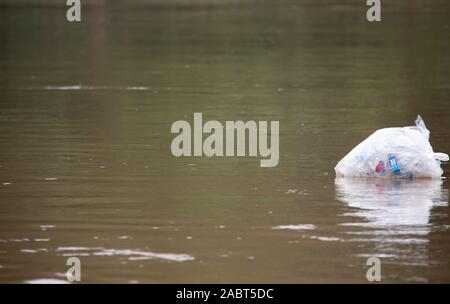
<point>392,205</point>
<point>394,214</point>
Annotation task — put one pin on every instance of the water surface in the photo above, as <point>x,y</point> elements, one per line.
<point>85,162</point>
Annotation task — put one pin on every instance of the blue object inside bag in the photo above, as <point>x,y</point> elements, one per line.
<point>394,165</point>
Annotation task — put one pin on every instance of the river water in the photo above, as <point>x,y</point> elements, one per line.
<point>86,168</point>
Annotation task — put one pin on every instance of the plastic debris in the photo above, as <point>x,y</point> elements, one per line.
<point>380,167</point>
<point>394,153</point>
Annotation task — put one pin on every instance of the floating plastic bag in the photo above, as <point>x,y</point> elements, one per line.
<point>394,153</point>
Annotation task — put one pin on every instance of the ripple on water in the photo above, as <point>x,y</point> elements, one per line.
<point>34,250</point>
<point>95,88</point>
<point>296,227</point>
<point>46,281</point>
<point>131,254</point>
<point>326,238</point>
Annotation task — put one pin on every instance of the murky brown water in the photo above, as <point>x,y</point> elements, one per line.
<point>85,161</point>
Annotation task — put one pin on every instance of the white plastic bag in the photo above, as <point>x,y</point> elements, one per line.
<point>394,153</point>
